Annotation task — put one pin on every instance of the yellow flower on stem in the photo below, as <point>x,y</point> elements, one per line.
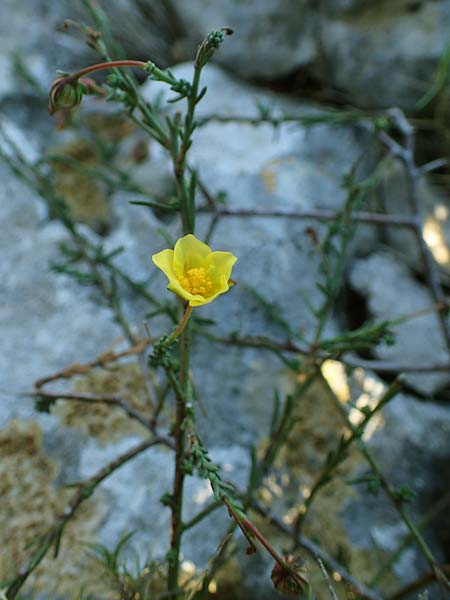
<point>195,272</point>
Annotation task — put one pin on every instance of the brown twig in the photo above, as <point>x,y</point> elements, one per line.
<point>320,214</point>
<point>297,348</point>
<point>246,526</point>
<point>100,361</point>
<point>108,399</point>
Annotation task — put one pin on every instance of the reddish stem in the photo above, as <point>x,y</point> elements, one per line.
<point>108,65</point>
<point>245,523</point>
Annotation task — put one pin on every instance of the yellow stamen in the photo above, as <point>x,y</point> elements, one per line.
<point>196,281</point>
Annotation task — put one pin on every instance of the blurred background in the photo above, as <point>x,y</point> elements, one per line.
<point>296,99</point>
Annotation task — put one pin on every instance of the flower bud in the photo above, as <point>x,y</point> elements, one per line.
<point>65,94</point>
<point>210,45</point>
<point>291,583</point>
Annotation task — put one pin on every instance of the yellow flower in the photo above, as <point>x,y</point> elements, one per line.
<point>195,272</point>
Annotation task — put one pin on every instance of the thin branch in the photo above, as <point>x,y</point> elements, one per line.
<point>321,214</point>
<point>340,453</point>
<point>296,348</point>
<point>406,155</point>
<point>327,578</point>
<point>397,502</point>
<point>331,116</point>
<point>435,510</point>
<point>108,399</point>
<point>101,361</point>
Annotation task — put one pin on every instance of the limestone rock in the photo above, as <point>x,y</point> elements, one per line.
<point>357,46</point>
<point>271,38</point>
<point>435,211</point>
<point>392,292</point>
<point>366,54</point>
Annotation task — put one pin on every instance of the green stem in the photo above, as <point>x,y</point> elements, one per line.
<point>182,394</point>
<point>179,330</point>
<point>182,391</point>
<point>436,569</point>
<point>435,511</point>
<point>187,211</point>
<point>391,494</point>
<point>340,454</point>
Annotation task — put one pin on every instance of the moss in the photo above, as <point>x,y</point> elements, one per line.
<point>109,128</point>
<point>30,502</point>
<point>107,423</point>
<point>86,199</point>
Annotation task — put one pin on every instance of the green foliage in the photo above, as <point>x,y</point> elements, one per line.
<point>142,581</point>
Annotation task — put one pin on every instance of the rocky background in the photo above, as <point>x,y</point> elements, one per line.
<point>295,57</point>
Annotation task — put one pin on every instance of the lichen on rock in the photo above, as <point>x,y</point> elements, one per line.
<point>104,422</point>
<point>30,503</point>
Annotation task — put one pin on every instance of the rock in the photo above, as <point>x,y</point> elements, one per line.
<point>47,320</point>
<point>271,39</point>
<point>147,31</point>
<point>391,292</point>
<point>30,501</point>
<point>143,32</point>
<point>257,167</point>
<point>135,491</point>
<point>356,46</point>
<point>435,210</point>
<point>365,53</point>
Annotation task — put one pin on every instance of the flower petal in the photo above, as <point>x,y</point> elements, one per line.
<point>189,252</point>
<point>221,263</point>
<point>176,288</point>
<point>164,261</point>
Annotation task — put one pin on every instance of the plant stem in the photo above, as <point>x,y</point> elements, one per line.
<point>434,512</point>
<point>107,65</point>
<point>180,452</point>
<point>340,454</point>
<point>439,574</point>
<point>316,551</point>
<point>183,394</point>
<point>177,332</point>
<point>419,583</point>
<point>394,499</point>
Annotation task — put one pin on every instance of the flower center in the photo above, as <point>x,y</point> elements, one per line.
<point>196,281</point>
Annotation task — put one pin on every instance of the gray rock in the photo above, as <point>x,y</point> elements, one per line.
<point>33,32</point>
<point>257,167</point>
<point>47,320</point>
<point>357,46</point>
<point>435,210</point>
<point>134,494</point>
<point>271,39</point>
<point>367,55</point>
<point>391,292</point>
